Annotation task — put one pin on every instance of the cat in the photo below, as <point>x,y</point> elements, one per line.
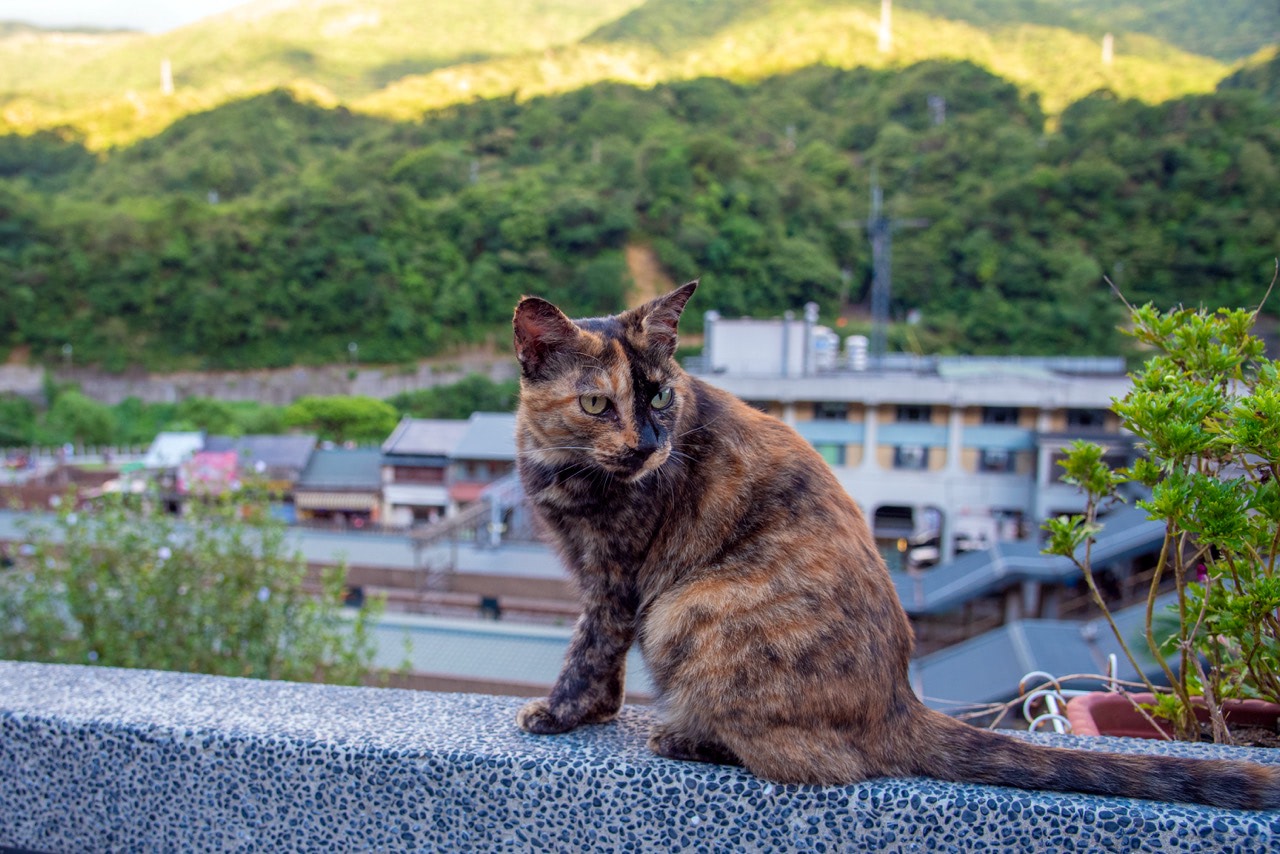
<point>716,538</point>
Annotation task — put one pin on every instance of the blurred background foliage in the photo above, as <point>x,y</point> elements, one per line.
<point>72,416</point>
<point>276,228</point>
<point>125,583</point>
<point>402,58</point>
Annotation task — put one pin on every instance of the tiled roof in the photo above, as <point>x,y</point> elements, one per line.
<point>425,437</point>
<point>341,468</point>
<point>274,452</point>
<point>489,436</point>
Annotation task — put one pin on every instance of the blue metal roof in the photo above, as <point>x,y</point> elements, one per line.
<point>1127,533</point>
<point>987,668</point>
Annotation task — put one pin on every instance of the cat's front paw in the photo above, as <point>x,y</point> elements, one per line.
<point>536,718</point>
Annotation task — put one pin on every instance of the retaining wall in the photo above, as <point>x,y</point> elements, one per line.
<point>97,759</point>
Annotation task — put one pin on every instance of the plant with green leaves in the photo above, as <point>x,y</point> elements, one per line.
<point>1205,410</point>
<point>120,582</point>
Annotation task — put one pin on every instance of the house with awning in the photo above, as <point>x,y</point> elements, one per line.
<point>415,470</point>
<point>341,485</point>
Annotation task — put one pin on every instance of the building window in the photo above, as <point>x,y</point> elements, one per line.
<point>422,476</point>
<point>760,405</point>
<point>832,453</point>
<point>1000,415</point>
<point>827,410</point>
<point>995,460</point>
<point>913,457</point>
<point>1086,419</point>
<point>914,414</point>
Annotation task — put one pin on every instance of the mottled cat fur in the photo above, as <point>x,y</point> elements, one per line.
<point>718,539</point>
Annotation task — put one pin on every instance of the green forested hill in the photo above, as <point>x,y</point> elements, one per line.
<point>108,86</point>
<point>1226,29</point>
<point>400,58</point>
<point>1045,50</point>
<point>398,172</point>
<point>273,231</point>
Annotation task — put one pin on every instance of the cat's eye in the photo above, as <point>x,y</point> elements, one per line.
<point>662,399</point>
<point>593,404</point>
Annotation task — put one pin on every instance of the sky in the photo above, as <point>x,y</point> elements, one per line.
<point>153,16</point>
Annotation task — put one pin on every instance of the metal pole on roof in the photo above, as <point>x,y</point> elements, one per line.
<point>880,231</point>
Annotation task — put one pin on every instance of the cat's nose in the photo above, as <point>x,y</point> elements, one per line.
<point>644,449</point>
<point>647,440</point>
<point>636,456</point>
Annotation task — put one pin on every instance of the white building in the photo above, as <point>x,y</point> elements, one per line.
<point>942,453</point>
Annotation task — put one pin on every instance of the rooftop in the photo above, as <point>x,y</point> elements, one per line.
<point>436,437</point>
<point>489,436</point>
<point>169,449</point>
<point>795,359</point>
<point>274,452</point>
<point>342,468</point>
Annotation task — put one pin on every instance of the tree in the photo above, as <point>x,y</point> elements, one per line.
<point>473,393</point>
<point>343,419</point>
<point>17,421</point>
<point>207,414</point>
<point>76,417</point>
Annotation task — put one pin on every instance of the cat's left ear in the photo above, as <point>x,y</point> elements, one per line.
<point>541,330</point>
<point>660,317</point>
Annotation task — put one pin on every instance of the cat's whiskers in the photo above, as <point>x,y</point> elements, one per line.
<point>700,427</point>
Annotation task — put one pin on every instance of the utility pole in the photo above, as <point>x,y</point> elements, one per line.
<point>880,231</point>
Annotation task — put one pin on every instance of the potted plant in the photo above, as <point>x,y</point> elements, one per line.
<point>1205,412</point>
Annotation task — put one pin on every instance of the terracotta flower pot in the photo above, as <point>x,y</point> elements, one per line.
<point>1112,713</point>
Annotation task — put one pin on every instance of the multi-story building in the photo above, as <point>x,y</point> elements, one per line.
<point>431,468</point>
<point>943,454</point>
<point>415,470</point>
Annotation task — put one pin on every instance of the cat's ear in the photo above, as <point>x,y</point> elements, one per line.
<point>541,329</point>
<point>660,317</point>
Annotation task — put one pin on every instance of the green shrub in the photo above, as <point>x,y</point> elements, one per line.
<point>1205,409</point>
<point>122,583</point>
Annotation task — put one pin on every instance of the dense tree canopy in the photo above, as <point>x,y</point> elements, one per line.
<point>271,232</point>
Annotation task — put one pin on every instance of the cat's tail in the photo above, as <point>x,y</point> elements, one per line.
<point>952,750</point>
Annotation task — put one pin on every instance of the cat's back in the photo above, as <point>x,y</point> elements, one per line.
<point>755,452</point>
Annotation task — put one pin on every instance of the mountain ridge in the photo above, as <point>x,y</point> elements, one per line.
<point>402,59</point>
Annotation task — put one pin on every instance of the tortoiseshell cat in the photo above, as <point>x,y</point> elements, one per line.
<point>718,539</point>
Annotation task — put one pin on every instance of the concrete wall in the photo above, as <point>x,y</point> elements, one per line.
<point>95,759</point>
<point>277,387</point>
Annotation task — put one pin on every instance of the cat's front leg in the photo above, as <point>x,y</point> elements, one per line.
<point>589,689</point>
